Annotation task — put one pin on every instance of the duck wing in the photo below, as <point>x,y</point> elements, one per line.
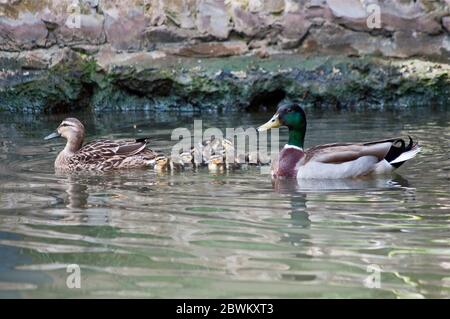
<point>343,152</point>
<point>104,149</point>
<point>395,151</point>
<point>130,147</point>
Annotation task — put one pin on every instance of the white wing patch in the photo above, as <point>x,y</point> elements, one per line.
<point>407,155</point>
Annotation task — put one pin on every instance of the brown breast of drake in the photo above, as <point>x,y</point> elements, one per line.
<point>287,163</point>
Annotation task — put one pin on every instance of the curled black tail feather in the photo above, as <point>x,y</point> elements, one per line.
<point>396,150</point>
<point>143,140</point>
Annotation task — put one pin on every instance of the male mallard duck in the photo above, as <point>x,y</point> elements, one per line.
<point>100,155</point>
<point>340,160</point>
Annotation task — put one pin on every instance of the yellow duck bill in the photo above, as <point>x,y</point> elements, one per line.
<point>274,122</point>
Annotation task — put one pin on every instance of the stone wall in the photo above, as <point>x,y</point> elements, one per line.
<point>196,54</point>
<point>407,27</point>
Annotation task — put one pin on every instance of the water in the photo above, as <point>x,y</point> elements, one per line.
<point>198,234</point>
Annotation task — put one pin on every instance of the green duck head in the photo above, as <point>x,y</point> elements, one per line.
<point>293,117</point>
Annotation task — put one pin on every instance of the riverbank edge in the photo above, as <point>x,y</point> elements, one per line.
<point>65,79</point>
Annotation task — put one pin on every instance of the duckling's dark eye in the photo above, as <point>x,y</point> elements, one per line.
<point>289,111</point>
<point>64,124</point>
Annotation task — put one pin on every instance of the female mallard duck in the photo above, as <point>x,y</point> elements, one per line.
<point>100,155</point>
<point>329,161</point>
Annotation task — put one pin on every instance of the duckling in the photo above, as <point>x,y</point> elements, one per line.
<point>98,155</point>
<point>224,147</point>
<point>176,163</point>
<point>210,147</point>
<point>216,163</point>
<point>203,150</point>
<point>187,159</point>
<point>161,163</point>
<point>228,150</point>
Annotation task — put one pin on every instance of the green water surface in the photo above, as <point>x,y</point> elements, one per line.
<point>202,235</point>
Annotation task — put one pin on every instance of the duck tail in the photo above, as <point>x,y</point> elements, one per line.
<point>400,152</point>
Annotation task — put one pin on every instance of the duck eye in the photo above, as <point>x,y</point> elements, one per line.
<point>289,111</point>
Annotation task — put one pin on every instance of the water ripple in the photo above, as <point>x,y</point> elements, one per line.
<point>195,234</point>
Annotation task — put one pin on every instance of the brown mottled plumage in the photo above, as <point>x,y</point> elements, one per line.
<point>99,155</point>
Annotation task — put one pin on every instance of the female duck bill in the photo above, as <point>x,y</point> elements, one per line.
<point>52,135</point>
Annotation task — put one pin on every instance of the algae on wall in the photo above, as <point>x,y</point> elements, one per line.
<point>233,83</point>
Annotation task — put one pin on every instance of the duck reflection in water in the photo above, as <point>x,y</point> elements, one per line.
<point>77,194</point>
<point>77,201</point>
<point>292,185</point>
<point>305,209</point>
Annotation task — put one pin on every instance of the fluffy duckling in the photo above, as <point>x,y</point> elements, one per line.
<point>216,163</point>
<point>161,163</point>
